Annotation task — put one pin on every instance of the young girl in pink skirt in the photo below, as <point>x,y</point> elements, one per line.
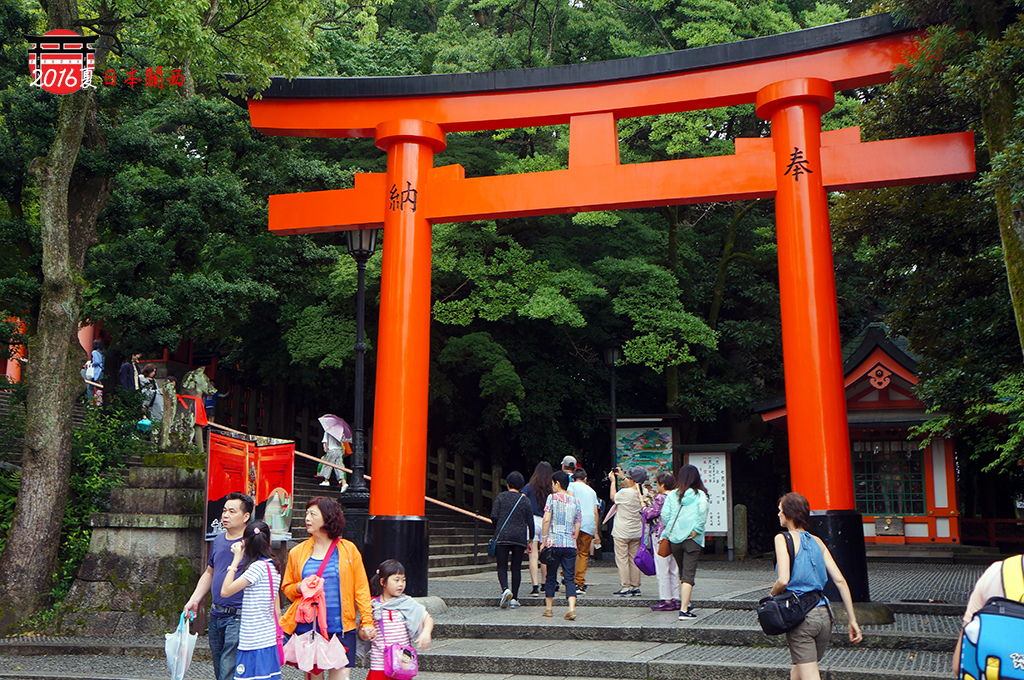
<point>397,617</point>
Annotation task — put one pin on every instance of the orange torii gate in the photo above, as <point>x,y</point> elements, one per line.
<point>791,78</point>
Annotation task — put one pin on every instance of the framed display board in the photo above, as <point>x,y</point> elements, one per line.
<point>646,447</point>
<point>262,467</point>
<point>715,465</point>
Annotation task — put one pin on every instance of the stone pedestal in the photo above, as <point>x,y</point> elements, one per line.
<point>144,558</point>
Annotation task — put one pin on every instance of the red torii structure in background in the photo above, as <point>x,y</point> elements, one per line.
<point>791,78</point>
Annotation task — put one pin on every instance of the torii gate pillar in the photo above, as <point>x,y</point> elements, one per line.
<point>812,353</point>
<point>397,528</point>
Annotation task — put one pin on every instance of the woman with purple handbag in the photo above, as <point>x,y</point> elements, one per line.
<point>398,619</point>
<point>665,568</point>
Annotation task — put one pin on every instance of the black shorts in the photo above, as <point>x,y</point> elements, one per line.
<point>687,554</point>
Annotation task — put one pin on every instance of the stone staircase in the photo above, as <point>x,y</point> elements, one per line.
<point>944,553</point>
<point>451,534</point>
<point>144,558</point>
<point>621,638</point>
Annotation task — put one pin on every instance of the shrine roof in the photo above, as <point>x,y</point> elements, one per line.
<point>873,337</point>
<point>680,61</point>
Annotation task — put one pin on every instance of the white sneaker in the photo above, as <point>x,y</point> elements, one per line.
<point>325,483</point>
<point>506,597</point>
<point>514,604</point>
<point>344,488</point>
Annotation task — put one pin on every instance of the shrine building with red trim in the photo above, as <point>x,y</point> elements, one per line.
<point>905,490</point>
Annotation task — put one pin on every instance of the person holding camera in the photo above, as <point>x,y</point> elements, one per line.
<point>628,528</point>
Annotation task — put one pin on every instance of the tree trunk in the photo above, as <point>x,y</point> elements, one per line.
<point>997,115</point>
<point>67,216</point>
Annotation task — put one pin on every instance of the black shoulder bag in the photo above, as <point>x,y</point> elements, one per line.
<point>780,613</point>
<point>492,545</point>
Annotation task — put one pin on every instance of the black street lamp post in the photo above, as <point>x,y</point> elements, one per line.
<point>361,245</point>
<point>612,355</point>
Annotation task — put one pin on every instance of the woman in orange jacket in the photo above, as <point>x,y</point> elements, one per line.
<point>346,589</point>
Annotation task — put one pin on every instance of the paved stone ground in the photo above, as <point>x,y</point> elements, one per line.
<point>739,583</point>
<point>612,637</point>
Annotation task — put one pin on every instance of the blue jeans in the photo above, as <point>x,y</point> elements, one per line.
<point>566,557</point>
<point>223,636</point>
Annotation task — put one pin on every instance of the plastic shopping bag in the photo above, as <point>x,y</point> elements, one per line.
<point>179,646</point>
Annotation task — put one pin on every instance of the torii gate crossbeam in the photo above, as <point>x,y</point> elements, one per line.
<point>790,78</point>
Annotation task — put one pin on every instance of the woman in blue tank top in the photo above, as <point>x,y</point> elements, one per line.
<point>812,565</point>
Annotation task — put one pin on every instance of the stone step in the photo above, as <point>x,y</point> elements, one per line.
<point>456,548</point>
<point>628,659</point>
<point>156,501</point>
<point>726,627</point>
<point>145,521</point>
<point>459,560</point>
<point>463,570</point>
<point>140,477</point>
<point>932,553</point>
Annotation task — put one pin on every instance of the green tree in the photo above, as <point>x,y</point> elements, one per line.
<point>975,48</point>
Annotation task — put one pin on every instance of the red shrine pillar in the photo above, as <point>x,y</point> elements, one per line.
<point>397,528</point>
<point>13,370</point>
<point>819,439</point>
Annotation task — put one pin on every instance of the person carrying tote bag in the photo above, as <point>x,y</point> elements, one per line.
<point>666,569</point>
<point>346,588</point>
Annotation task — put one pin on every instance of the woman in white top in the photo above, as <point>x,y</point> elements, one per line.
<point>628,526</point>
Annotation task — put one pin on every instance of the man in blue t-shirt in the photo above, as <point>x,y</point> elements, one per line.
<point>225,612</point>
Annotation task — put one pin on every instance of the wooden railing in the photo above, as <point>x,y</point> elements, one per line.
<point>991,532</point>
<point>447,478</point>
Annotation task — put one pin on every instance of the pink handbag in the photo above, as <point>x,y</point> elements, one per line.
<point>273,614</point>
<point>400,662</point>
<point>313,653</point>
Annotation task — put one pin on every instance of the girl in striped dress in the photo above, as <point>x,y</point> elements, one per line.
<point>397,617</point>
<point>261,609</point>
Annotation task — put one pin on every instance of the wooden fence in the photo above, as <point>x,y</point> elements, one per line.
<point>450,479</point>
<point>992,532</point>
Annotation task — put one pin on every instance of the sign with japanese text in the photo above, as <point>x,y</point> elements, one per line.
<point>714,472</point>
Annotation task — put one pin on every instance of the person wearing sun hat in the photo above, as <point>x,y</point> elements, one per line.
<point>628,528</point>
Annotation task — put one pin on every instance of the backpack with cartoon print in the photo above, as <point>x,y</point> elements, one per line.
<point>993,642</point>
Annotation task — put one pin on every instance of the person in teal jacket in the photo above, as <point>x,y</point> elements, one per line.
<point>684,515</point>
